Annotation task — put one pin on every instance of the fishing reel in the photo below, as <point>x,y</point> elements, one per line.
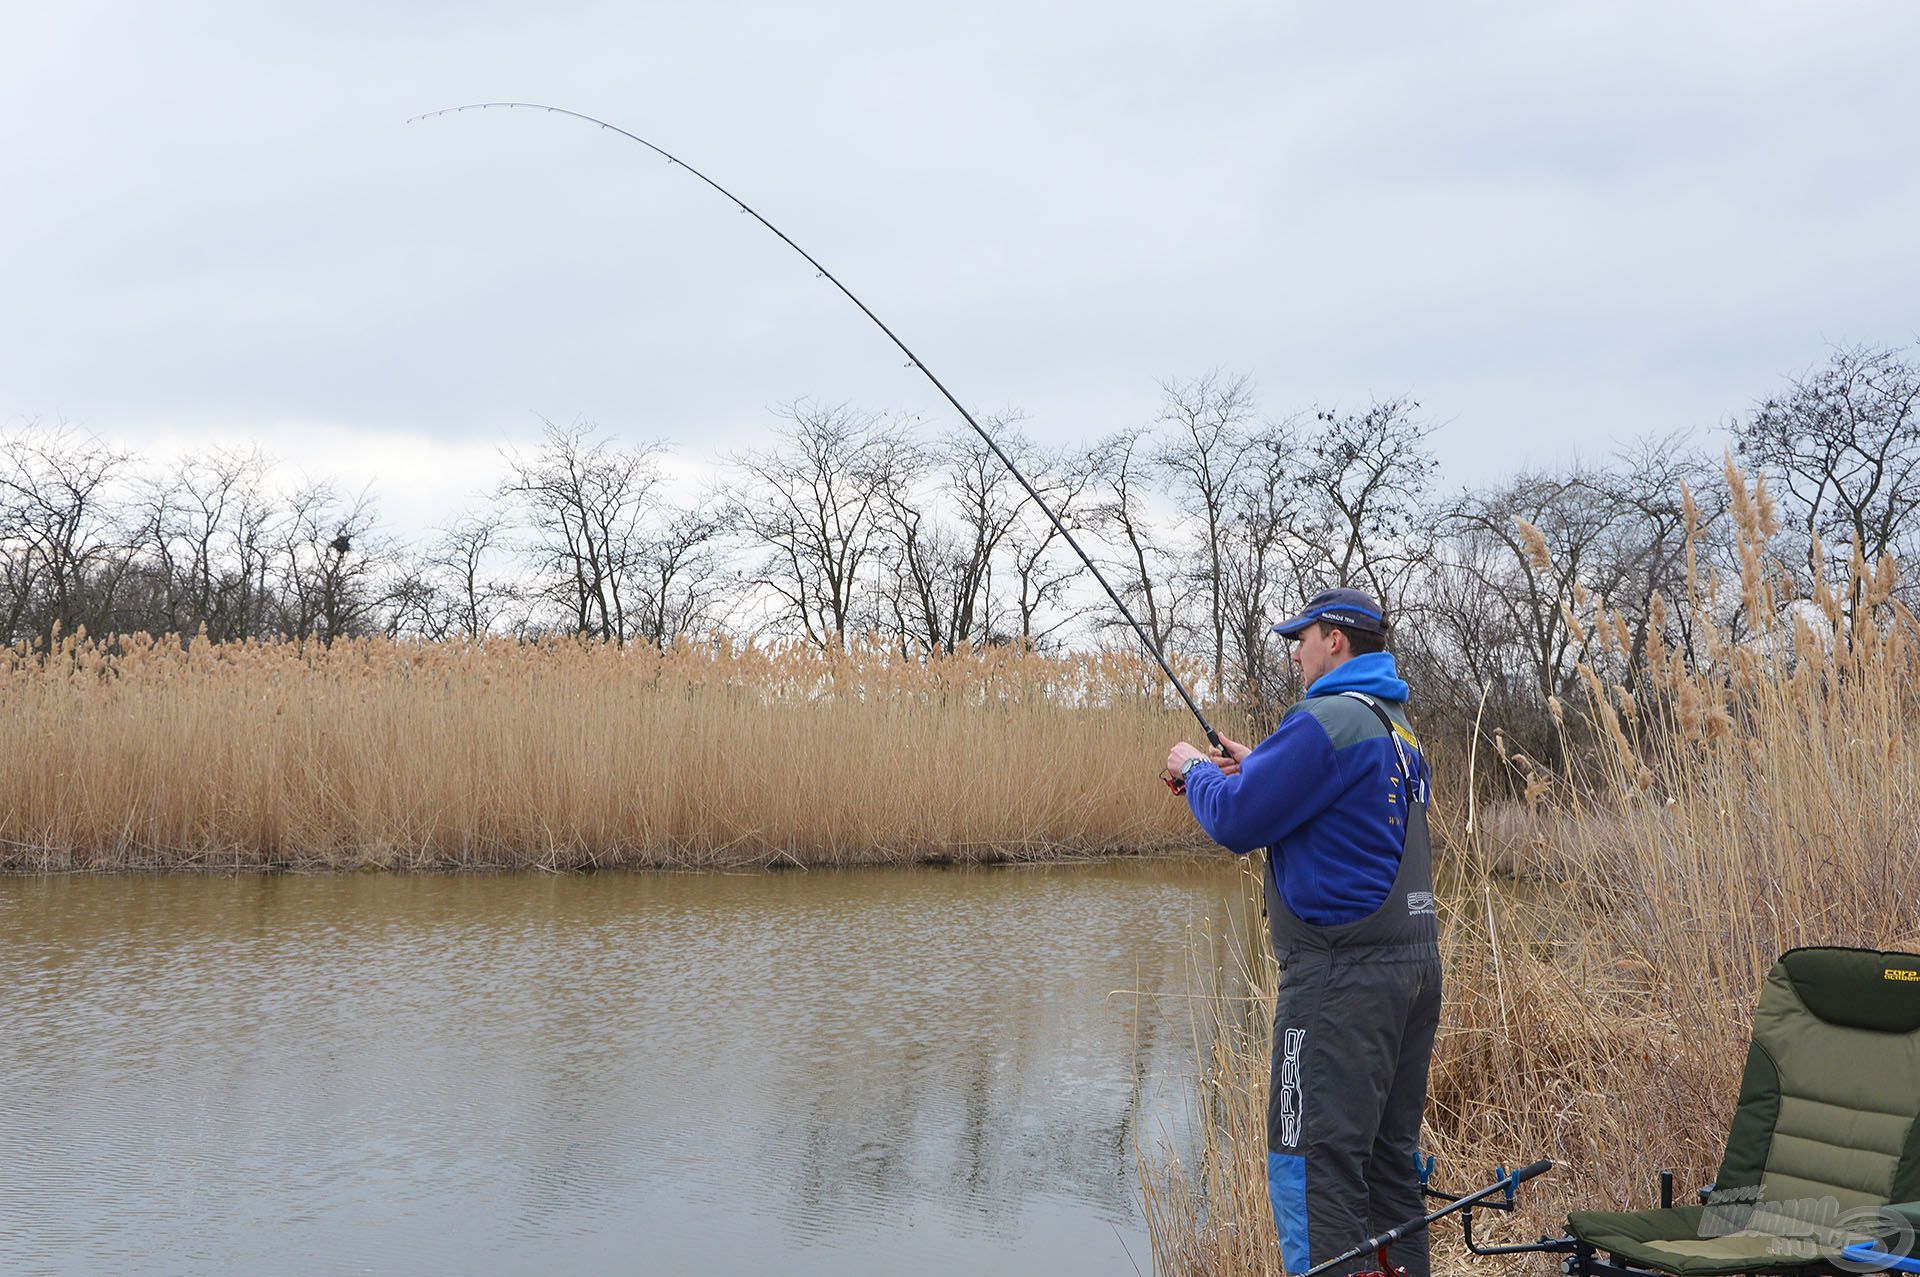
<point>1387,1267</point>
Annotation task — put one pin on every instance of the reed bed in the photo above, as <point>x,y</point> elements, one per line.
<point>566,754</point>
<point>1605,939</point>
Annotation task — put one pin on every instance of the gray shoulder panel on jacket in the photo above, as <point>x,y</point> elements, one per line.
<point>1345,719</point>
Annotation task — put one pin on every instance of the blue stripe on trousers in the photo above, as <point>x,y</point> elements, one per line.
<point>1287,1190</point>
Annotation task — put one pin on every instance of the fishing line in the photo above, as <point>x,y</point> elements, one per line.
<point>1153,648</point>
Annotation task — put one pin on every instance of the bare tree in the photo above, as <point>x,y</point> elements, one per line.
<point>58,529</point>
<point>1644,550</point>
<point>675,584</point>
<point>814,507</point>
<point>586,502</point>
<point>61,539</point>
<point>455,591</point>
<point>1208,417</point>
<point>1148,576</point>
<point>1257,556</point>
<point>1463,637</point>
<point>1366,475</point>
<point>1041,566</point>
<point>330,565</point>
<point>1528,545</point>
<point>939,573</point>
<point>203,531</point>
<point>1842,446</point>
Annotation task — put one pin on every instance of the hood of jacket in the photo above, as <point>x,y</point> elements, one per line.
<point>1370,672</point>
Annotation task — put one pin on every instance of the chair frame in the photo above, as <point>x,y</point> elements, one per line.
<point>1583,1259</point>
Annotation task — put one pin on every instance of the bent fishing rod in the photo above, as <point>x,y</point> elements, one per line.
<point>1153,648</point>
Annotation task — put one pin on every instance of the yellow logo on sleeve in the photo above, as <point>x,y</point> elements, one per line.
<point>1901,973</point>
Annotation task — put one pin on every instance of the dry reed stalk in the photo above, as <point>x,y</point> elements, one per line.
<point>564,754</point>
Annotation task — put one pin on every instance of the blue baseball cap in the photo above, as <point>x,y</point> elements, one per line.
<point>1354,609</point>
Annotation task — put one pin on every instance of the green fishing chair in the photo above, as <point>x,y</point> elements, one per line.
<point>1824,1150</point>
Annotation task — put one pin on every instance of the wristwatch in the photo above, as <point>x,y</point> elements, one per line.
<point>1188,769</point>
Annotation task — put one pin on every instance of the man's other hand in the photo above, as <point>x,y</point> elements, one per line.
<point>1177,758</point>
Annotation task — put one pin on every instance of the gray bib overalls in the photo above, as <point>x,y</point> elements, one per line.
<point>1352,1037</point>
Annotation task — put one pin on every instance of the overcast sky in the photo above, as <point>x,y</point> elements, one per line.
<point>1558,226</point>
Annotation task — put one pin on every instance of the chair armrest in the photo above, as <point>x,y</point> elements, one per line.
<point>1909,1212</point>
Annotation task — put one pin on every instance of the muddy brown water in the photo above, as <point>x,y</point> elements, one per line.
<point>847,1072</point>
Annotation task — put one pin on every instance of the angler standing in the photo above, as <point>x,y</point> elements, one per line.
<point>1338,796</point>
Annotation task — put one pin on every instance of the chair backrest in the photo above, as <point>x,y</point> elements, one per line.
<point>1829,1106</point>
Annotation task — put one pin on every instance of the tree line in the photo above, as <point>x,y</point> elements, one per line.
<point>1211,520</point>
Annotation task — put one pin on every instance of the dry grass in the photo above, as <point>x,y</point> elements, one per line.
<point>569,754</point>
<point>1605,942</point>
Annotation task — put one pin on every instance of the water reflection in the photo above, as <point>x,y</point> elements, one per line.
<point>838,1072</point>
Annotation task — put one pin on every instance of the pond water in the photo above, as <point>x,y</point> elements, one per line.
<point>846,1072</point>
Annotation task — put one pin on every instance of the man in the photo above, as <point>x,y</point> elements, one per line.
<point>1338,796</point>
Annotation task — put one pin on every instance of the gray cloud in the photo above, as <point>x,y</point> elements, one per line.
<point>1557,225</point>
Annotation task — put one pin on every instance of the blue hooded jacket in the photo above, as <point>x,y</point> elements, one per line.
<point>1323,793</point>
